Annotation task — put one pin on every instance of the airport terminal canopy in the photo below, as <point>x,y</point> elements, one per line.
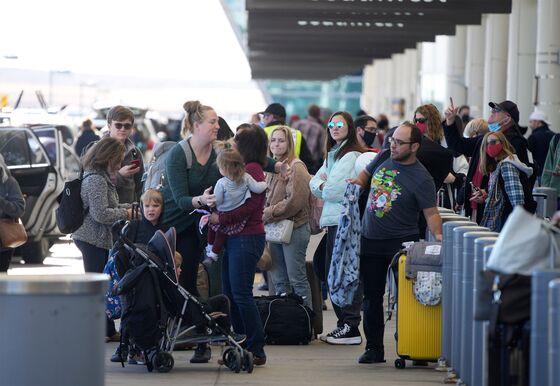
<point>325,39</point>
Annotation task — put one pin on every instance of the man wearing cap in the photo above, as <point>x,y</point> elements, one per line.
<point>274,116</point>
<point>504,117</point>
<point>540,138</point>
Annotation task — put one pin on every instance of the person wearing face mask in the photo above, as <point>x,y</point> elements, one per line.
<point>508,181</point>
<point>465,114</point>
<point>428,120</point>
<point>504,118</point>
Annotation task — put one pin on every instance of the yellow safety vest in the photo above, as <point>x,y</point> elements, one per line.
<point>296,135</point>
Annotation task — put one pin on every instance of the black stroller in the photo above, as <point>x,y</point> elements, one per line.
<point>155,305</point>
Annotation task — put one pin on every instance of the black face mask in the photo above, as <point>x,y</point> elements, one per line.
<point>465,118</point>
<point>368,138</point>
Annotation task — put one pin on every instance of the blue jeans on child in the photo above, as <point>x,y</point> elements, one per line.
<point>238,274</point>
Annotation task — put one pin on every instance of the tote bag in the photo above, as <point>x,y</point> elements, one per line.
<point>526,243</point>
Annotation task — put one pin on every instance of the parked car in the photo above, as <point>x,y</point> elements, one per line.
<point>40,160</point>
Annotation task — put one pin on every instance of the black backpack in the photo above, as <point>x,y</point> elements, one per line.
<point>285,319</point>
<point>70,212</point>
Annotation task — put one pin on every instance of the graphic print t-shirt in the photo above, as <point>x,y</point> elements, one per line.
<point>397,195</point>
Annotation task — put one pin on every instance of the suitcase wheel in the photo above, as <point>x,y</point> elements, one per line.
<point>400,363</point>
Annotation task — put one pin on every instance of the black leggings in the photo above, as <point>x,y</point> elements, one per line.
<point>95,259</point>
<point>190,248</point>
<point>5,258</point>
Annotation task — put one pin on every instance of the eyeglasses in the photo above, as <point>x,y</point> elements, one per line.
<point>371,129</point>
<point>497,109</point>
<point>339,124</point>
<point>119,125</point>
<point>493,141</point>
<point>398,142</point>
<point>420,120</point>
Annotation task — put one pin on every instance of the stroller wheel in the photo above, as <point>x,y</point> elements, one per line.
<point>248,361</point>
<point>163,362</point>
<point>232,359</point>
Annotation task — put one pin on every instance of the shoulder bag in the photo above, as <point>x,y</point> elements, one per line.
<point>12,233</point>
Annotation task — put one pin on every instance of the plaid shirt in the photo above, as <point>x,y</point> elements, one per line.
<point>495,203</point>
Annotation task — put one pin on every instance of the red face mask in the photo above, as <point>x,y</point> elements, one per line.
<point>422,126</point>
<point>493,149</point>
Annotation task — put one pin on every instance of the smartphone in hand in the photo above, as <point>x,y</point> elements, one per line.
<point>135,163</point>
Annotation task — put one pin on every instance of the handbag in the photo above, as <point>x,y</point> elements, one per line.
<point>526,243</point>
<point>12,233</point>
<point>503,298</point>
<point>279,232</point>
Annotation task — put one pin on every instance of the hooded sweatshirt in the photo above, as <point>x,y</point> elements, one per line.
<point>508,187</point>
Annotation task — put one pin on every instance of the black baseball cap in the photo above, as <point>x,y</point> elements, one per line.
<point>275,109</point>
<point>509,107</point>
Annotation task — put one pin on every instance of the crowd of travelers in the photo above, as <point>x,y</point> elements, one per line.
<point>265,172</point>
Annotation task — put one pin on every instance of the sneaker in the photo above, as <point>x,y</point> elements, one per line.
<point>262,286</point>
<point>323,337</point>
<point>136,357</point>
<point>202,354</point>
<point>372,356</point>
<point>346,335</point>
<point>238,338</point>
<point>119,355</point>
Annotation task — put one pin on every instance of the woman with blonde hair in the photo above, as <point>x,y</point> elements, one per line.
<point>476,127</point>
<point>508,182</point>
<point>287,198</point>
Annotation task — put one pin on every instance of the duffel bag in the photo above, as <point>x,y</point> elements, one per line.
<point>286,320</point>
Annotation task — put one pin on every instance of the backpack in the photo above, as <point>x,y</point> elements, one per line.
<point>155,173</point>
<point>70,213</point>
<point>286,320</point>
<point>113,305</point>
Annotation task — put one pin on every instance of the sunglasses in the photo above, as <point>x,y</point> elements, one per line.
<point>420,120</point>
<point>119,125</point>
<point>496,110</point>
<point>398,142</point>
<point>339,124</point>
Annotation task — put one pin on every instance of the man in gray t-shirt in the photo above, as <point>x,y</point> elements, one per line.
<point>400,188</point>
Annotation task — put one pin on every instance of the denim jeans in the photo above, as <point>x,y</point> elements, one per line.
<point>238,274</point>
<point>288,265</point>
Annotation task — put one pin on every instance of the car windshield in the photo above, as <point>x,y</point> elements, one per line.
<point>20,149</point>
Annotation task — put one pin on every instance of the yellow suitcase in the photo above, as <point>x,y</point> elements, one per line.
<point>418,326</point>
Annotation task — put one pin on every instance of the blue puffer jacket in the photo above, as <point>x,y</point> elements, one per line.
<point>337,171</point>
<point>344,272</point>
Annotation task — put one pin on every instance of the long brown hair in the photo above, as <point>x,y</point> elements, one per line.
<point>290,151</point>
<point>107,152</point>
<point>488,164</point>
<point>434,129</point>
<point>351,143</point>
<point>252,144</point>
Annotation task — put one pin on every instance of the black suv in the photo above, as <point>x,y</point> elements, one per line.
<point>40,160</point>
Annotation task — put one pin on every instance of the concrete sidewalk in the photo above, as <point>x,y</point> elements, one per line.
<point>316,364</point>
